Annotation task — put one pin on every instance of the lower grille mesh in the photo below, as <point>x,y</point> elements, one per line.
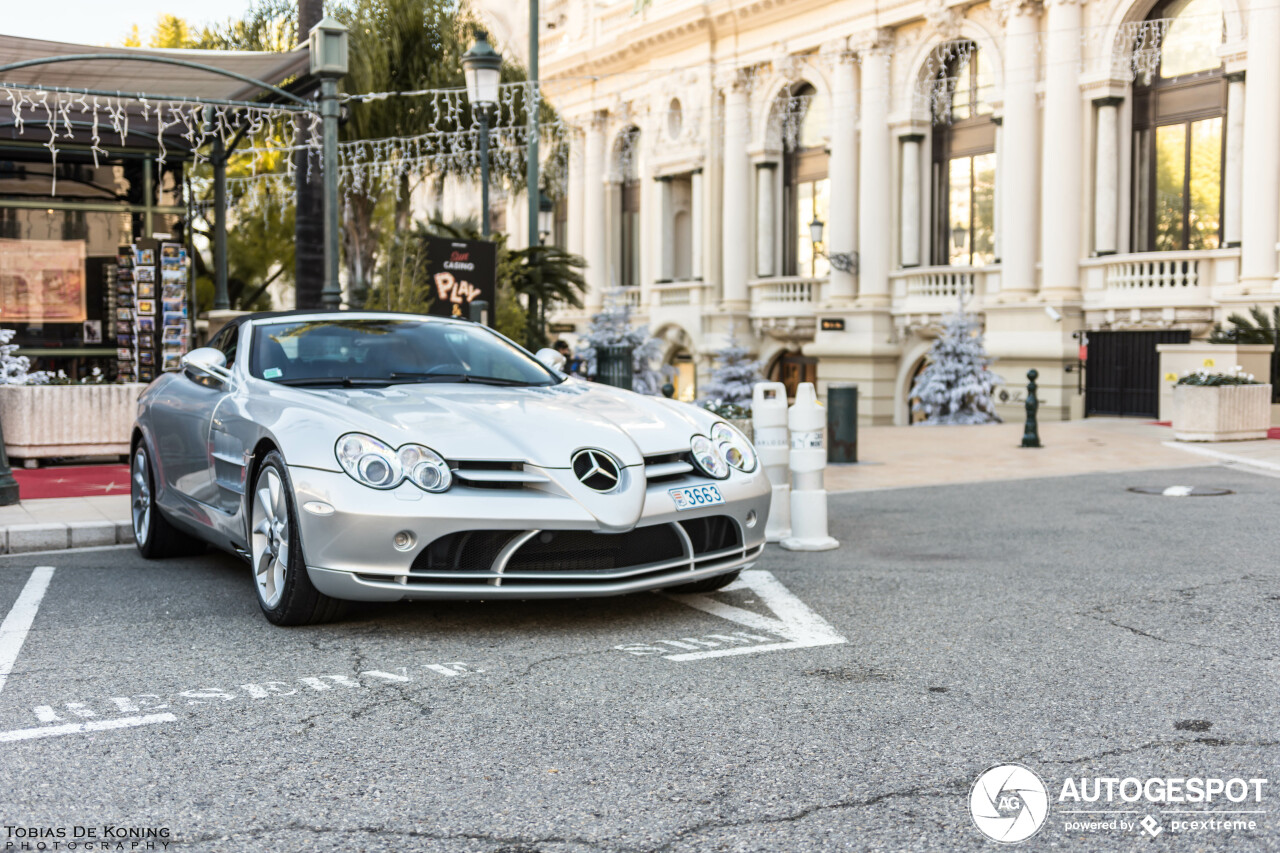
<point>476,551</point>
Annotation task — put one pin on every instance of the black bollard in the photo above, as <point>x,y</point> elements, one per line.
<point>479,312</point>
<point>8,485</point>
<point>668,390</point>
<point>842,422</point>
<point>1031,432</point>
<point>614,366</point>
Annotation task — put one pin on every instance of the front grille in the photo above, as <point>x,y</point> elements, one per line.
<point>573,556</point>
<point>667,467</point>
<point>713,533</point>
<point>464,551</point>
<point>583,551</point>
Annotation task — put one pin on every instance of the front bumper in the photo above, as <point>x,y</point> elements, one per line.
<point>350,553</point>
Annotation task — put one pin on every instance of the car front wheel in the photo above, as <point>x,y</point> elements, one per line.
<point>285,592</point>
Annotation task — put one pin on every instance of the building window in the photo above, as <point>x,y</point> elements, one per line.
<point>964,158</point>
<point>1179,127</point>
<point>806,189</point>
<point>626,211</point>
<point>629,235</point>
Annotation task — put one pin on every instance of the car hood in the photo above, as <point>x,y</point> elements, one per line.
<point>543,426</point>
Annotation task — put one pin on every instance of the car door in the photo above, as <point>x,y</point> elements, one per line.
<point>182,416</point>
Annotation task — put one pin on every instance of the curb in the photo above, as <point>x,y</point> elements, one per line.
<point>58,536</point>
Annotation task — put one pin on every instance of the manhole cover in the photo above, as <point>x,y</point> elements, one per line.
<point>1181,491</point>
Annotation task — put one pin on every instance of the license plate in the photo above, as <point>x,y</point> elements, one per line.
<point>692,497</point>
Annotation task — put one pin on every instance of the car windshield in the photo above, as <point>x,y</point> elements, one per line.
<point>380,351</point>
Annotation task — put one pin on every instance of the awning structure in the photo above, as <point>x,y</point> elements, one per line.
<point>149,78</point>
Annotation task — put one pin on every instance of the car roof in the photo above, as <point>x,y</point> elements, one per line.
<point>244,319</point>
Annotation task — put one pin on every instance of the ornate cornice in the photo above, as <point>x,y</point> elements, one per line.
<point>947,20</point>
<point>1007,9</point>
<point>872,42</point>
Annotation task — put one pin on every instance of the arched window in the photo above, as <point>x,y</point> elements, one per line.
<point>1179,127</point>
<point>806,190</point>
<point>964,158</point>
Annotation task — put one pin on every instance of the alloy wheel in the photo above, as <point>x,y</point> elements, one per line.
<point>270,545</point>
<point>140,495</point>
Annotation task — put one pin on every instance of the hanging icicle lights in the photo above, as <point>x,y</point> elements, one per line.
<point>94,120</point>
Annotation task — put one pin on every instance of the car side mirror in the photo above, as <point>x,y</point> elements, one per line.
<point>551,359</point>
<point>207,361</point>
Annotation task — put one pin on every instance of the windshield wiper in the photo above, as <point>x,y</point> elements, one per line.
<point>344,381</point>
<point>461,377</point>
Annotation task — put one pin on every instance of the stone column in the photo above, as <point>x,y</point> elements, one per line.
<point>666,270</point>
<point>1020,182</point>
<point>695,225</point>
<point>1261,154</point>
<point>997,206</point>
<point>1060,211</point>
<point>842,230</point>
<point>766,221</point>
<point>736,242</point>
<point>1106,176</point>
<point>576,196</point>
<point>593,212</point>
<point>874,203</point>
<point>912,191</point>
<point>1233,180</point>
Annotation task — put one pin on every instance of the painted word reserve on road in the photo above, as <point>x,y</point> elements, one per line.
<point>792,625</point>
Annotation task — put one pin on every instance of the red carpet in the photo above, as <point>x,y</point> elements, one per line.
<point>72,482</point>
<point>1274,432</point>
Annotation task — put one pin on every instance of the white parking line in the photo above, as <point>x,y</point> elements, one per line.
<point>792,617</point>
<point>78,728</point>
<point>14,629</point>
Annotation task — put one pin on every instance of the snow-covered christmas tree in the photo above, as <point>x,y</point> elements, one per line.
<point>734,375</point>
<point>956,385</point>
<point>612,327</point>
<point>15,369</point>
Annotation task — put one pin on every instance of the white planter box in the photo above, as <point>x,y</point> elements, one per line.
<point>1221,413</point>
<point>67,420</point>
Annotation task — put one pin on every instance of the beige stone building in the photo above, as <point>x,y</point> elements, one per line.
<point>1103,172</point>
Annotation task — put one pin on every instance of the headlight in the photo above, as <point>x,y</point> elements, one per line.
<point>374,464</point>
<point>425,468</point>
<point>734,447</point>
<point>707,457</point>
<point>369,461</point>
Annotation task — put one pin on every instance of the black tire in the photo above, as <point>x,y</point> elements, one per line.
<point>706,584</point>
<point>155,537</point>
<point>298,602</point>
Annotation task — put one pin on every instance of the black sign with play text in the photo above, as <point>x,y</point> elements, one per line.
<point>461,272</point>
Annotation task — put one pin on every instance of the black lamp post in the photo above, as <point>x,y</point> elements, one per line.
<point>546,218</point>
<point>482,66</point>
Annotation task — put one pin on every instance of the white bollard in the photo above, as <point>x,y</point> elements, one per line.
<point>807,421</point>
<point>773,445</point>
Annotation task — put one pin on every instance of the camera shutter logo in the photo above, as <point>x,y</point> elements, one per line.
<point>1009,803</point>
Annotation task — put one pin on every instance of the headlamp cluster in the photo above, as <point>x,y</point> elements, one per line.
<point>373,463</point>
<point>726,448</point>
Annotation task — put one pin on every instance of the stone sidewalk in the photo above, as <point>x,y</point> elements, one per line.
<point>892,458</point>
<point>55,523</point>
<point>900,457</point>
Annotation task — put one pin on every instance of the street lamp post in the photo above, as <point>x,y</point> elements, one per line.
<point>482,66</point>
<point>546,218</point>
<point>329,63</point>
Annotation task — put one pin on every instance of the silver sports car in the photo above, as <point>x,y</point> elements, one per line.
<point>378,457</point>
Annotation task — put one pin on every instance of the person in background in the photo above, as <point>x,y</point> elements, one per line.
<point>572,366</point>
